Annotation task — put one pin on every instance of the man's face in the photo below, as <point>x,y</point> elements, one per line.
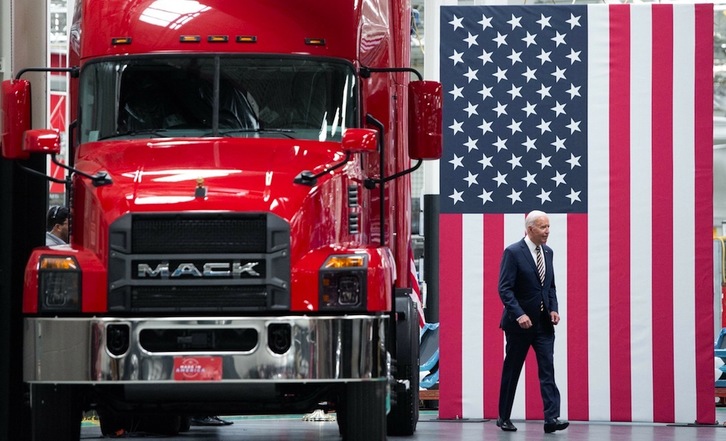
<point>63,231</point>
<point>539,232</point>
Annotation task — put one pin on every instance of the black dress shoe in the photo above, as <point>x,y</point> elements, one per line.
<point>506,425</point>
<point>554,425</point>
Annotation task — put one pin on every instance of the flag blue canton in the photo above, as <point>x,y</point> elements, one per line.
<point>515,109</point>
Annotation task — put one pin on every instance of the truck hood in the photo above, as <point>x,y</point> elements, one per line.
<point>247,174</point>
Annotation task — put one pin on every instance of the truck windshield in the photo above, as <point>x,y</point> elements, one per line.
<point>216,95</point>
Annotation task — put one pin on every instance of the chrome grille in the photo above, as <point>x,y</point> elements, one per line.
<point>193,240</point>
<point>178,234</point>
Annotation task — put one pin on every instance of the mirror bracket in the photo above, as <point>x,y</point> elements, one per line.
<point>306,177</point>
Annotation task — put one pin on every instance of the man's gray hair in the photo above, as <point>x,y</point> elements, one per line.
<point>532,217</point>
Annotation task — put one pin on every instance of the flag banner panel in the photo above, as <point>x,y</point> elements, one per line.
<point>601,116</point>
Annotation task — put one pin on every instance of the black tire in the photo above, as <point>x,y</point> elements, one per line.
<point>56,412</point>
<point>403,418</point>
<point>363,413</point>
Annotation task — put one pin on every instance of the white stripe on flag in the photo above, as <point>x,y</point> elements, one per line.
<point>683,202</point>
<point>641,216</point>
<point>598,216</point>
<point>472,344</point>
<point>558,242</point>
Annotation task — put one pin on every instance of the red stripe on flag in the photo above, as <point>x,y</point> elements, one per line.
<point>577,324</point>
<point>662,207</point>
<point>492,334</point>
<point>619,129</point>
<point>703,262</point>
<point>450,350</point>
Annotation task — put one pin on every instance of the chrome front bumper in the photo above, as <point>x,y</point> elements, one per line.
<point>74,350</point>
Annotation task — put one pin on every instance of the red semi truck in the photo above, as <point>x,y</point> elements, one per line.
<point>240,216</point>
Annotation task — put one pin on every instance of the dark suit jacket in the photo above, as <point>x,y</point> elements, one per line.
<point>520,288</point>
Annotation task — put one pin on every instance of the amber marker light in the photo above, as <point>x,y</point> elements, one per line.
<point>246,39</point>
<point>348,261</point>
<point>217,39</point>
<point>315,41</point>
<point>120,40</point>
<point>190,39</point>
<point>58,263</point>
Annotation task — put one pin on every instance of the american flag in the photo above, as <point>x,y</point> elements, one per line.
<point>601,116</point>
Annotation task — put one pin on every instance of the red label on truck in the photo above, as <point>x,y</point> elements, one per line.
<point>197,368</point>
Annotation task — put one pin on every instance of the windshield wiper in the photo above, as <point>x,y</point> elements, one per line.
<point>158,133</point>
<point>230,132</point>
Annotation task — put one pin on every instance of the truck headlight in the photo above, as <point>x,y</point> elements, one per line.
<point>59,284</point>
<point>343,281</point>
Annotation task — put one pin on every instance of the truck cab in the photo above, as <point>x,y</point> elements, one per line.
<point>240,217</point>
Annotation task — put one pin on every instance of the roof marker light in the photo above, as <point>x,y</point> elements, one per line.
<point>315,41</point>
<point>120,40</point>
<point>217,38</point>
<point>246,39</point>
<point>190,39</point>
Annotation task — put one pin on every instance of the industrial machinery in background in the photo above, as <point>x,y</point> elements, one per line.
<point>240,229</point>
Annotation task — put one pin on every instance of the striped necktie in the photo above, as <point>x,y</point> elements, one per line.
<point>540,264</point>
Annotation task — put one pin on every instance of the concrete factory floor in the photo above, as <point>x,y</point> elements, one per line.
<point>430,428</point>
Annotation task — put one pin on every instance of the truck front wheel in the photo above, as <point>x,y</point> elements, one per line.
<point>56,412</point>
<point>403,418</point>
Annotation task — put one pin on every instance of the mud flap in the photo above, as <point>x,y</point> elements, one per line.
<point>362,414</point>
<point>56,412</point>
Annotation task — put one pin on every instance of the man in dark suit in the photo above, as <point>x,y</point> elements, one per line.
<point>527,289</point>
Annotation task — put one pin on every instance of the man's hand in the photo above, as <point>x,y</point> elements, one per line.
<point>555,317</point>
<point>524,321</point>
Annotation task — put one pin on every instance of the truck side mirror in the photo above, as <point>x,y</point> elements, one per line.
<point>15,120</point>
<point>42,141</point>
<point>360,140</point>
<point>354,141</point>
<point>425,101</point>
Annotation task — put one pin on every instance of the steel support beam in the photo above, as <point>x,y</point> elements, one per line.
<point>23,200</point>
